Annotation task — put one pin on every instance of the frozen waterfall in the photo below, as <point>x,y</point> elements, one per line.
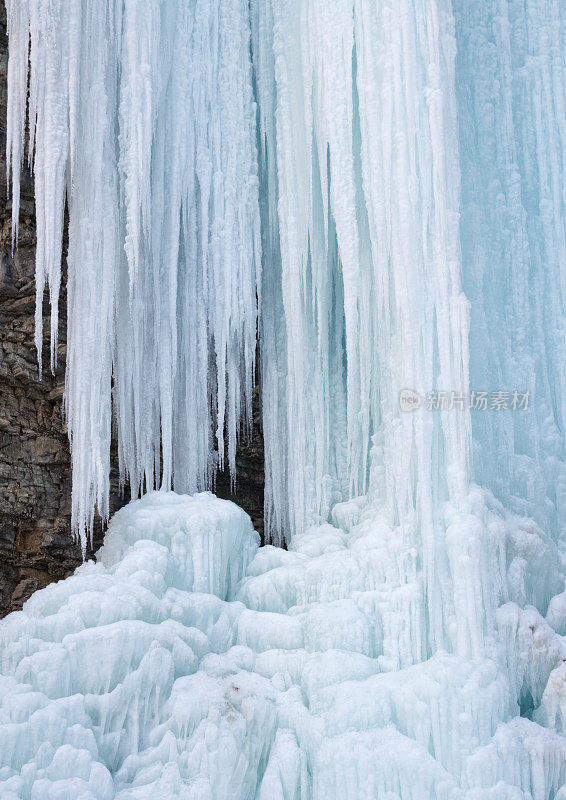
<point>374,192</point>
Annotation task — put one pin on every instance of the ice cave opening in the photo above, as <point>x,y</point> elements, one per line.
<point>373,190</point>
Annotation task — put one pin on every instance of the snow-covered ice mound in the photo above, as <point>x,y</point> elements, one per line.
<point>188,663</point>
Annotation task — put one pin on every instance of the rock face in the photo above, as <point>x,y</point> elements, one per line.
<point>35,542</point>
<point>36,545</point>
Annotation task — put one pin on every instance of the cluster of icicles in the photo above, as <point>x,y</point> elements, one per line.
<point>294,168</point>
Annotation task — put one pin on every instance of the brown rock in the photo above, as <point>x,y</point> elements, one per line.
<point>23,591</point>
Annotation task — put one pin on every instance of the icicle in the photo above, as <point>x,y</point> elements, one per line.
<point>18,33</point>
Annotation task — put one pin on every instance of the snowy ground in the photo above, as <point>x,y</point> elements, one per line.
<point>189,663</point>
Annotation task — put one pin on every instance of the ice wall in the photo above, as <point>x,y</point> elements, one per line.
<point>374,113</point>
<point>358,116</point>
<point>512,110</point>
<point>370,115</point>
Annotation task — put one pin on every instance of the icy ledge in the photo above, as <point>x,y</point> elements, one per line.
<point>188,663</point>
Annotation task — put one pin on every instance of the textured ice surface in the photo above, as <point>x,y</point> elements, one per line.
<point>358,116</point>
<point>511,89</point>
<point>188,663</point>
<point>401,166</point>
<point>141,116</point>
<point>403,162</point>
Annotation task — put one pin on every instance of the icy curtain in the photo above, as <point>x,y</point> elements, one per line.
<point>370,114</point>
<point>358,120</point>
<point>141,118</point>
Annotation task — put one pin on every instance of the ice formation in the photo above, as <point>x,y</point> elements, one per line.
<point>376,187</point>
<point>397,154</point>
<point>154,155</point>
<point>189,663</point>
<point>511,91</point>
<point>364,98</point>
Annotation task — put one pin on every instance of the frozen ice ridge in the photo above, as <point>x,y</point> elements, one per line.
<point>189,663</point>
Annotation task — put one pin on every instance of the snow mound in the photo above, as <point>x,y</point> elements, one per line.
<point>188,663</point>
<point>205,544</point>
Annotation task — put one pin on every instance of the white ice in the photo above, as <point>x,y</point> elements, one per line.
<point>188,663</point>
<point>377,185</point>
<point>142,119</point>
